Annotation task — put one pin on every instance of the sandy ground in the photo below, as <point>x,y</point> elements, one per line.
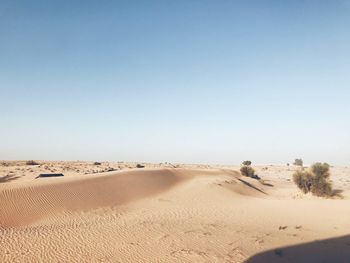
<point>115,212</point>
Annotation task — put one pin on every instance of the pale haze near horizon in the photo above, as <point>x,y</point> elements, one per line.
<point>183,81</point>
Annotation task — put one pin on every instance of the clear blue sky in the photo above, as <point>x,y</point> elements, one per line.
<point>178,81</point>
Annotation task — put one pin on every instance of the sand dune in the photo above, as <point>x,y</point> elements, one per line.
<point>24,205</point>
<point>167,215</point>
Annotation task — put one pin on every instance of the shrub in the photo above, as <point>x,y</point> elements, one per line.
<point>247,171</point>
<point>320,170</point>
<point>31,162</point>
<point>247,163</point>
<point>303,179</point>
<point>97,163</point>
<point>140,166</point>
<point>314,180</point>
<point>298,162</point>
<point>321,187</point>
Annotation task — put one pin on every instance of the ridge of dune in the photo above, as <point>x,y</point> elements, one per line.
<point>24,205</point>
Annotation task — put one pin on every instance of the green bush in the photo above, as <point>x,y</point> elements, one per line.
<point>303,179</point>
<point>321,170</point>
<point>314,180</point>
<point>247,170</point>
<point>321,187</point>
<point>247,163</point>
<point>298,162</point>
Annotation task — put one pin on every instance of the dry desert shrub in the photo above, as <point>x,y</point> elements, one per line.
<point>315,180</point>
<point>31,162</point>
<point>247,170</point>
<point>303,179</point>
<point>298,162</point>
<point>248,163</point>
<point>4,164</point>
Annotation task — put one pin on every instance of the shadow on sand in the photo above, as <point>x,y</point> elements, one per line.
<point>338,193</point>
<point>8,178</point>
<point>251,186</point>
<point>320,251</point>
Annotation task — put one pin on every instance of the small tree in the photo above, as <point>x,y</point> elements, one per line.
<point>314,180</point>
<point>298,162</point>
<point>248,163</point>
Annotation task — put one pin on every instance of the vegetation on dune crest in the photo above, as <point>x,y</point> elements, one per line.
<point>247,170</point>
<point>315,180</point>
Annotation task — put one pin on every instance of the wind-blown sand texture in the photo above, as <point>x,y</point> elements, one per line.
<point>168,213</point>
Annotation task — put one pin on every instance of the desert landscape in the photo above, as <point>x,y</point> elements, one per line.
<point>175,131</point>
<point>141,212</point>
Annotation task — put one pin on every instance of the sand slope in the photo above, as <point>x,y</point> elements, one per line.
<point>24,205</point>
<point>166,215</point>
